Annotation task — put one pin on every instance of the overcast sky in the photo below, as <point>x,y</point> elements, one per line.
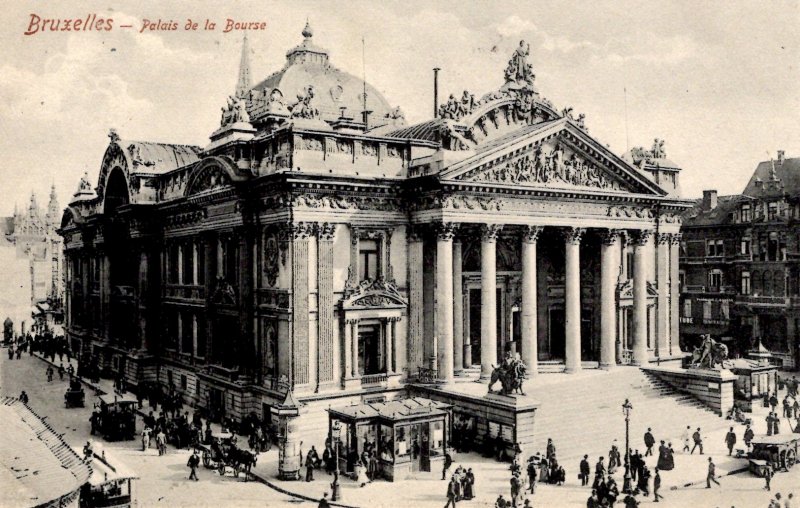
<point>718,81</point>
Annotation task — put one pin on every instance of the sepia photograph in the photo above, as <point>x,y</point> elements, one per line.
<point>396,254</point>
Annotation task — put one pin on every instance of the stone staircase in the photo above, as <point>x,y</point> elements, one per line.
<point>584,415</point>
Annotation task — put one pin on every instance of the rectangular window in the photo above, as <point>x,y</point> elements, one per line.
<point>772,211</point>
<point>172,263</point>
<point>368,260</point>
<point>184,382</point>
<point>724,310</point>
<point>746,246</point>
<point>746,213</point>
<point>201,264</point>
<point>629,275</point>
<point>187,255</point>
<point>711,248</point>
<point>745,283</point>
<point>706,310</point>
<point>720,248</point>
<point>687,308</point>
<point>201,336</point>
<point>715,279</point>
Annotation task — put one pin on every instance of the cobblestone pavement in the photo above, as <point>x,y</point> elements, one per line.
<point>164,479</point>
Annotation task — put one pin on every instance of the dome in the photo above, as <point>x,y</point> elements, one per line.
<point>309,65</point>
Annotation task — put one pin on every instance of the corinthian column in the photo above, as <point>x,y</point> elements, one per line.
<point>458,310</point>
<point>662,305</point>
<point>530,332</point>
<point>572,299</point>
<point>489,234</point>
<point>609,264</point>
<point>444,301</point>
<point>640,356</point>
<point>675,292</point>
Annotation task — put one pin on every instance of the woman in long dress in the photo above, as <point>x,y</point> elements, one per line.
<point>469,485</point>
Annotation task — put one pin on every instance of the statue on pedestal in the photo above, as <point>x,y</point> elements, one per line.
<point>510,373</point>
<point>710,353</point>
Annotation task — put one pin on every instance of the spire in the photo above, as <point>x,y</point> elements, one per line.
<point>243,86</point>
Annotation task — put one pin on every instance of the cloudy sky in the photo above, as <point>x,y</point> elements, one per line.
<point>719,81</point>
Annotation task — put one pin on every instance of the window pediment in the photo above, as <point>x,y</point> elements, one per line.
<point>374,294</point>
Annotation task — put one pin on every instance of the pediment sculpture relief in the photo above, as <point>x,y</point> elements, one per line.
<point>546,166</point>
<point>374,293</point>
<point>211,179</point>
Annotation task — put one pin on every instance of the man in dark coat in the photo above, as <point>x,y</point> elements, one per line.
<point>773,400</point>
<point>532,474</point>
<point>649,442</point>
<point>730,441</point>
<point>584,470</point>
<point>634,465</point>
<point>452,492</point>
<point>194,462</point>
<point>599,473</point>
<point>748,436</point>
<point>656,486</point>
<point>448,461</point>
<point>698,441</point>
<point>712,470</point>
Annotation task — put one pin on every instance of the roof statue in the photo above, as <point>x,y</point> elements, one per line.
<point>235,112</point>
<point>519,73</point>
<point>303,108</point>
<point>84,185</point>
<point>113,136</point>
<point>658,149</point>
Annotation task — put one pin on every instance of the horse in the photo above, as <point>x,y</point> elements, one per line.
<point>242,460</point>
<point>510,378</point>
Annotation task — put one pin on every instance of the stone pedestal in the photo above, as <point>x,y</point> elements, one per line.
<point>712,387</point>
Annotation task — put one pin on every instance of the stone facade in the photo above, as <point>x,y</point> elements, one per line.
<point>341,257</point>
<point>31,235</point>
<point>739,264</point>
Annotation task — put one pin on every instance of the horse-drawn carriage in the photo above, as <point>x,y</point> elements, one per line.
<point>779,450</point>
<point>222,453</point>
<point>115,417</point>
<point>74,396</point>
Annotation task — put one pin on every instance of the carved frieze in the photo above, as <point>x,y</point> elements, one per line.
<point>311,143</point>
<point>545,166</point>
<point>633,212</point>
<point>462,201</point>
<point>337,202</point>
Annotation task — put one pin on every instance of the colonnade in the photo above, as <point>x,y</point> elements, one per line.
<point>448,309</point>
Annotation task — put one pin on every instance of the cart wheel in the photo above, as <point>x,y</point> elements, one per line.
<point>236,470</point>
<point>222,469</point>
<point>791,458</point>
<point>206,458</point>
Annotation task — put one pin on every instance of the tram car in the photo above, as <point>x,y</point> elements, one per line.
<point>114,417</point>
<point>74,396</point>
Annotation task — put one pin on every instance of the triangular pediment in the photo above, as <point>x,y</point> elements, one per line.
<point>551,155</point>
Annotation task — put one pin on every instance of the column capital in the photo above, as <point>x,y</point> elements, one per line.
<point>326,231</point>
<point>640,237</point>
<point>446,230</point>
<point>530,234</point>
<point>676,238</point>
<point>489,232</point>
<point>663,238</point>
<point>573,235</point>
<point>610,236</point>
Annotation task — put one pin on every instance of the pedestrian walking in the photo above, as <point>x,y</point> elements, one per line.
<point>516,489</point>
<point>61,371</point>
<point>49,372</point>
<point>767,476</point>
<point>452,492</point>
<point>687,435</point>
<point>730,441</point>
<point>656,487</point>
<point>748,436</point>
<point>161,442</point>
<point>448,462</point>
<point>194,462</point>
<point>593,501</point>
<point>712,469</point>
<point>599,473</point>
<point>698,441</point>
<point>309,470</point>
<point>532,474</point>
<point>23,397</point>
<point>649,442</point>
<point>773,400</point>
<point>796,409</point>
<point>584,471</point>
<point>145,438</point>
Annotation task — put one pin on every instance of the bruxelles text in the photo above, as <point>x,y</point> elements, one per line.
<point>94,23</point>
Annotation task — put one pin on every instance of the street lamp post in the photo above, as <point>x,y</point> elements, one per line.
<point>336,433</point>
<point>626,410</point>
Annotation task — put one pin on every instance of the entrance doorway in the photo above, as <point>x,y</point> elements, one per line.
<point>420,447</point>
<point>557,333</point>
<point>216,404</point>
<point>588,349</point>
<point>370,350</point>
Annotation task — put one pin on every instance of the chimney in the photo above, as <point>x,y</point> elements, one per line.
<point>709,199</point>
<point>435,92</point>
<point>781,156</point>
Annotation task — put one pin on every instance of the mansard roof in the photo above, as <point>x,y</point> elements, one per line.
<point>787,172</point>
<point>720,215</point>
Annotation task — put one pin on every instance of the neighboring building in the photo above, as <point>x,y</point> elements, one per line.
<point>345,254</point>
<point>740,264</point>
<point>39,468</point>
<point>31,236</point>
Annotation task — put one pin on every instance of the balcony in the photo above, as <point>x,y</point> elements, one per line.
<point>776,301</point>
<point>185,292</point>
<point>374,379</point>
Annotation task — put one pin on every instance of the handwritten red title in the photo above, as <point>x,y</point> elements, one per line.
<point>95,23</point>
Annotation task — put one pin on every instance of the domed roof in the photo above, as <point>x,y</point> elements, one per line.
<point>333,89</point>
